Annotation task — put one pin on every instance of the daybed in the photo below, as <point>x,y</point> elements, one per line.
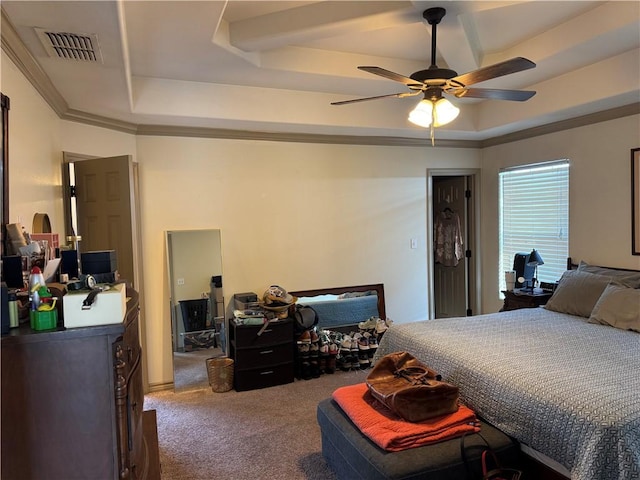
<point>564,387</point>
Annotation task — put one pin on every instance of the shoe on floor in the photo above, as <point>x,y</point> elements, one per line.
<point>381,326</point>
<point>343,363</point>
<point>305,337</point>
<point>369,324</point>
<point>303,350</point>
<point>373,344</point>
<point>346,344</point>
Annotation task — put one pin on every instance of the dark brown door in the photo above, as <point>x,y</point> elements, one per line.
<point>104,199</point>
<point>450,244</point>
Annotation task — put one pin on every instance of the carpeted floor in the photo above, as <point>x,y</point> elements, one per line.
<point>190,368</point>
<point>270,433</point>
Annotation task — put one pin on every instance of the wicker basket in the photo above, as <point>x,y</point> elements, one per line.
<point>220,372</point>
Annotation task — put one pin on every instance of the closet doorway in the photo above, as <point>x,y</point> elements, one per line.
<point>453,232</point>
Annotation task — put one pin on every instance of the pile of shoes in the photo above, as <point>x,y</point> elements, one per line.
<point>356,350</point>
<point>325,351</point>
<point>375,326</point>
<point>316,354</point>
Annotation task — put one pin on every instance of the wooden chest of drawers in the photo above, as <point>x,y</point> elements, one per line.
<point>73,404</point>
<point>262,357</point>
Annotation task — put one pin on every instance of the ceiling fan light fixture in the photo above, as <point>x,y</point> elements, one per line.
<point>445,112</point>
<point>440,112</point>
<point>421,115</point>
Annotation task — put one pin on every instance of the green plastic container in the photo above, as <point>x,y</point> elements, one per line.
<point>43,320</point>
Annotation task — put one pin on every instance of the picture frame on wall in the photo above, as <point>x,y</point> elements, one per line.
<point>4,173</point>
<point>635,201</point>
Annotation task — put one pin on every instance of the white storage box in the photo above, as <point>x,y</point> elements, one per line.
<point>108,307</point>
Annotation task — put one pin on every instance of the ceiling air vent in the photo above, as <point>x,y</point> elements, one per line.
<point>71,46</point>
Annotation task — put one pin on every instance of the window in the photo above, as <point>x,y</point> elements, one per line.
<point>534,213</point>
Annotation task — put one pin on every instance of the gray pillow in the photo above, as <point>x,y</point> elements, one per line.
<point>577,293</point>
<point>629,278</point>
<point>618,307</point>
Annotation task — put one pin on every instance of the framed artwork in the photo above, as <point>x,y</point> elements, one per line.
<point>4,172</point>
<point>635,201</point>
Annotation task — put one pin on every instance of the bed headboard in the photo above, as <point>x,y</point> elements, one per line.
<point>574,266</point>
<point>377,287</point>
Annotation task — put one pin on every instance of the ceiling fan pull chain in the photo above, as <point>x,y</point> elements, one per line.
<point>432,128</point>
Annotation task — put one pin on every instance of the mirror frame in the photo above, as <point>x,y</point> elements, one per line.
<point>189,379</point>
<point>4,166</point>
<point>377,287</point>
<point>173,304</point>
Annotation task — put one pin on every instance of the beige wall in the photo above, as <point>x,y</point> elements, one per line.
<point>298,215</point>
<point>599,194</point>
<point>34,152</point>
<point>311,215</point>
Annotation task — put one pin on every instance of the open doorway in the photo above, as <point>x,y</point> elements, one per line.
<point>453,234</point>
<point>102,212</point>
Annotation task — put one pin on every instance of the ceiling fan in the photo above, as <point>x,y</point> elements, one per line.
<point>434,110</point>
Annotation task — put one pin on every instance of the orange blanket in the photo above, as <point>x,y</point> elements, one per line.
<point>390,432</point>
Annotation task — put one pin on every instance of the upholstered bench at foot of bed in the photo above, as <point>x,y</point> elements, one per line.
<point>353,456</point>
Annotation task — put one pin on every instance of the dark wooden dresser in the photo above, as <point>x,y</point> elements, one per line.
<point>263,357</point>
<point>73,404</point>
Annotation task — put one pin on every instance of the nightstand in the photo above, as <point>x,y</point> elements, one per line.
<point>521,298</point>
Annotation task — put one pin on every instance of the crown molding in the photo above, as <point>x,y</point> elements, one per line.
<point>31,69</point>
<point>589,119</point>
<point>28,65</point>
<point>203,132</point>
<point>99,121</point>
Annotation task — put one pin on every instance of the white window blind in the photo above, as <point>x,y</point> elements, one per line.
<point>534,213</point>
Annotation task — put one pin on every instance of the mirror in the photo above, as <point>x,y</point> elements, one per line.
<point>343,308</point>
<point>194,266</point>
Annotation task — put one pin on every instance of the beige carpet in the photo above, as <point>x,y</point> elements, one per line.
<point>190,368</point>
<point>270,433</point>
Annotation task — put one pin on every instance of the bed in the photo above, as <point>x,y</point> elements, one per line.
<point>564,387</point>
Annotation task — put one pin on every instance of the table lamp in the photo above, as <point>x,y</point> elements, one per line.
<point>534,260</point>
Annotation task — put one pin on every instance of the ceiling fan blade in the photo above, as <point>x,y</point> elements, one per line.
<point>397,95</point>
<point>496,94</point>
<point>496,70</point>
<point>391,75</point>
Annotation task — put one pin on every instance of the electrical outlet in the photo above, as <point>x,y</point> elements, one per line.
<point>414,243</point>
<point>180,281</point>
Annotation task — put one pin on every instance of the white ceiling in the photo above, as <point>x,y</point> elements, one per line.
<point>275,66</point>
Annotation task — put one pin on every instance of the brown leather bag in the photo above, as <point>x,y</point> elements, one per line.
<point>410,389</point>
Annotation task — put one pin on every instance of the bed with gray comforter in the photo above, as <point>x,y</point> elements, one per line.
<point>565,387</point>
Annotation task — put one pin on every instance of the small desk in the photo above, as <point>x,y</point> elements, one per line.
<point>521,298</point>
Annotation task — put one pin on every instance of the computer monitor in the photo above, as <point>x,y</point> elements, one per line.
<point>521,268</point>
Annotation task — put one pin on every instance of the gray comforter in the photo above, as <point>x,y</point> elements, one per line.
<point>566,388</point>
